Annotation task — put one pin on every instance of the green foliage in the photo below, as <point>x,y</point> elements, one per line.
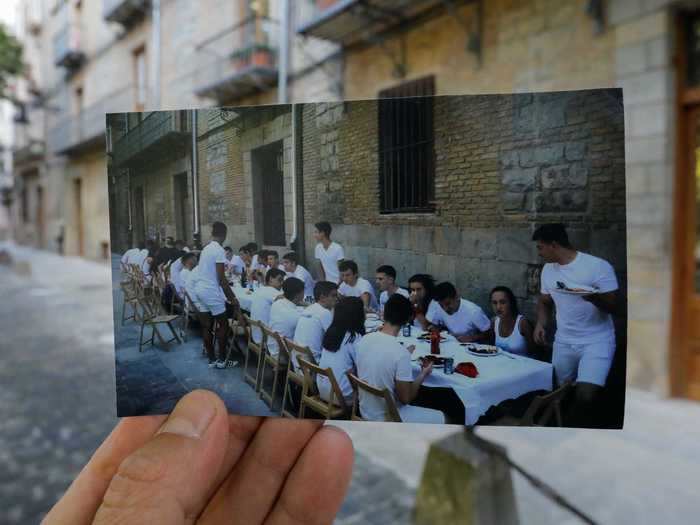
<point>10,59</point>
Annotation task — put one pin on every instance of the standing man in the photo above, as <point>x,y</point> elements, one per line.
<point>328,253</point>
<point>584,343</point>
<point>211,294</point>
<point>386,282</point>
<point>291,265</point>
<point>353,285</point>
<point>464,319</point>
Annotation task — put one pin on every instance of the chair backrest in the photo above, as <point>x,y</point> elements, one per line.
<point>297,351</point>
<point>249,325</point>
<point>391,412</point>
<point>270,335</point>
<point>546,407</point>
<point>311,372</point>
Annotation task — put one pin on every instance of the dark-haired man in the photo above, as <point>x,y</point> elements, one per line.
<point>464,319</point>
<point>212,291</point>
<point>291,265</point>
<point>284,313</point>
<point>386,282</point>
<point>262,299</point>
<point>316,319</point>
<point>353,285</point>
<point>328,253</point>
<point>584,342</point>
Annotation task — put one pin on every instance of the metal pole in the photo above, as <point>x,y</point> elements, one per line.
<point>283,71</point>
<point>156,55</point>
<point>195,174</point>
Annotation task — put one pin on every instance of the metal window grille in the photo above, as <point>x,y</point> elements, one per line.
<point>406,147</point>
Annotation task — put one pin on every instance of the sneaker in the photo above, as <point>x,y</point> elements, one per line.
<point>220,364</point>
<point>213,364</point>
<point>231,363</point>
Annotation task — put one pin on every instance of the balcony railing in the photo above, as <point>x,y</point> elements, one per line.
<point>160,133</point>
<point>77,132</point>
<point>349,22</point>
<point>239,60</point>
<point>67,47</point>
<point>124,12</point>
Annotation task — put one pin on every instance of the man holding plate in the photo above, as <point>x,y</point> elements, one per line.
<point>583,288</point>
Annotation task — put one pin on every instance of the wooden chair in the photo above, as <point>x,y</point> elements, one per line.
<point>294,375</point>
<point>542,410</point>
<point>391,412</point>
<point>152,316</point>
<point>254,348</point>
<point>276,362</point>
<point>335,408</point>
<point>129,298</point>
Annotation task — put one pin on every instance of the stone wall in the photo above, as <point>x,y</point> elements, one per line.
<point>503,165</point>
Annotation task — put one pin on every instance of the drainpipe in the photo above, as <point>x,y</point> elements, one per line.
<point>298,182</point>
<point>195,174</point>
<point>283,71</point>
<point>156,55</point>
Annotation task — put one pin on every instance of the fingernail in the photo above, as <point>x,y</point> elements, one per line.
<point>190,418</point>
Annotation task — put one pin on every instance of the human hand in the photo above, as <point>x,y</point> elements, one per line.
<point>427,368</point>
<point>539,334</point>
<point>411,348</point>
<point>200,465</point>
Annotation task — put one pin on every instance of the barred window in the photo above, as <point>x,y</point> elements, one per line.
<point>406,147</point>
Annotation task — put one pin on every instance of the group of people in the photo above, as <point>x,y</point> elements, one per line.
<point>328,316</point>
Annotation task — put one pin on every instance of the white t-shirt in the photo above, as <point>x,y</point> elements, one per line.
<point>260,304</point>
<point>140,258</point>
<point>189,279</point>
<point>381,361</point>
<point>339,362</point>
<point>361,286</point>
<point>467,320</point>
<point>175,269</point>
<point>304,275</point>
<point>311,328</point>
<point>129,254</point>
<point>207,284</point>
<point>284,316</point>
<point>184,277</point>
<point>238,264</point>
<point>329,260</point>
<point>384,297</point>
<point>578,321</point>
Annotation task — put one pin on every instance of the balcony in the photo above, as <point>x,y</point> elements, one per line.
<point>67,48</point>
<point>124,12</point>
<point>349,22</point>
<point>160,133</point>
<point>239,61</point>
<point>74,134</point>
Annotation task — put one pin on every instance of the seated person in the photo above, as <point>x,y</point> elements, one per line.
<point>316,319</point>
<point>352,285</point>
<point>511,331</point>
<point>262,299</point>
<point>386,281</point>
<point>273,261</point>
<point>246,258</point>
<point>383,363</point>
<point>129,257</point>
<point>290,261</point>
<point>177,278</point>
<point>464,319</point>
<point>421,286</point>
<point>233,262</point>
<point>339,346</point>
<point>284,314</point>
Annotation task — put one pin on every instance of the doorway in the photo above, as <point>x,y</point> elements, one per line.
<point>79,227</point>
<point>268,193</point>
<point>685,334</point>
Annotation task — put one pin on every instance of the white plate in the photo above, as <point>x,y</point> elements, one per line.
<point>498,350</point>
<point>580,289</point>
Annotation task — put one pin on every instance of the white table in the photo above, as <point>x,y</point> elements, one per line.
<point>244,297</point>
<point>500,376</point>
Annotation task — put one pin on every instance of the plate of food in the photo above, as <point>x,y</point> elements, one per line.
<point>575,289</point>
<point>435,359</point>
<point>481,350</point>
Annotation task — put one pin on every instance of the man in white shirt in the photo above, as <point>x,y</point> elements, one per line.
<point>353,285</point>
<point>291,265</point>
<point>328,253</point>
<point>316,319</point>
<point>284,312</point>
<point>129,257</point>
<point>386,282</point>
<point>177,278</point>
<point>384,363</point>
<point>147,258</point>
<point>262,299</point>
<point>211,292</point>
<point>273,261</point>
<point>463,319</point>
<point>584,343</point>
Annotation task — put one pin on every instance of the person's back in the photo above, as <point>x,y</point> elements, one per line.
<point>260,305</point>
<point>311,327</point>
<point>340,362</point>
<point>283,320</point>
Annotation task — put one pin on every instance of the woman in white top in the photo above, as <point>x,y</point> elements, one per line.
<point>339,346</point>
<point>512,332</point>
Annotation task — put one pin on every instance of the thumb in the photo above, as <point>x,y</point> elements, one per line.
<point>171,478</point>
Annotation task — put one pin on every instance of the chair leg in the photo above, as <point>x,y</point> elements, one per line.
<point>283,410</point>
<point>141,338</point>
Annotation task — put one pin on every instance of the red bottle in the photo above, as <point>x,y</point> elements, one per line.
<point>434,342</point>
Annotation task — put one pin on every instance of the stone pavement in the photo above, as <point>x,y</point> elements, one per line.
<point>58,403</point>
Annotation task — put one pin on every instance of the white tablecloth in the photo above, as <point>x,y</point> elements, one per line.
<point>244,298</point>
<point>500,377</point>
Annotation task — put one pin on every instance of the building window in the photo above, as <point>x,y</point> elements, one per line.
<point>406,151</point>
<point>140,76</point>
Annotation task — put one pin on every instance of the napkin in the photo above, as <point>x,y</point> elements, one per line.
<point>467,369</point>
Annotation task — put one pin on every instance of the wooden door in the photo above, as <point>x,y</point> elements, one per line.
<point>79,226</point>
<point>685,334</point>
